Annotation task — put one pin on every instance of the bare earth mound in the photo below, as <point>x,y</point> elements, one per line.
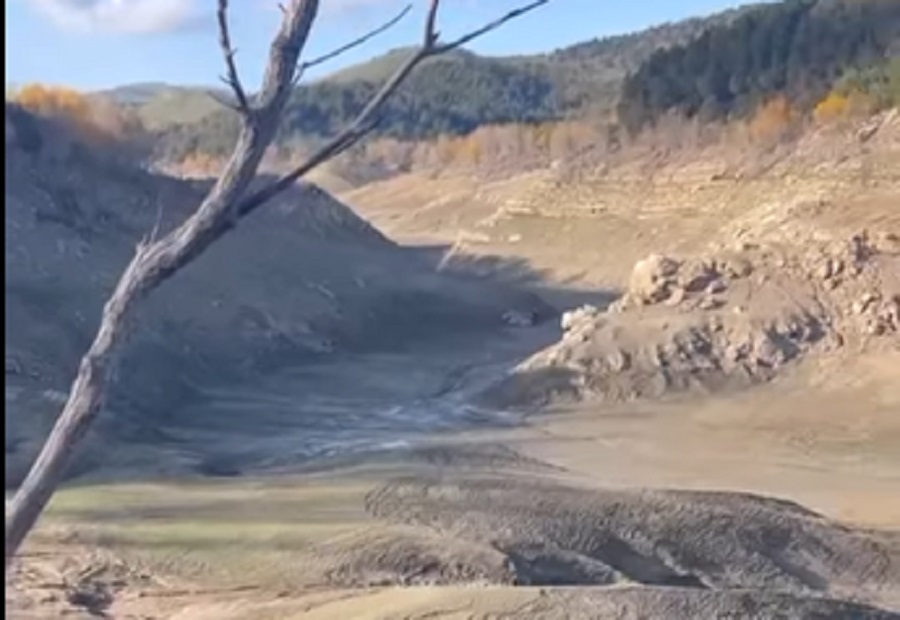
<point>669,603</point>
<point>730,319</point>
<point>696,552</point>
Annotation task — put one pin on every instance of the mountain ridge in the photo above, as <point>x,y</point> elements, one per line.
<point>541,93</point>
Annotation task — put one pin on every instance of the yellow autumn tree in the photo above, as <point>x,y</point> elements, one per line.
<point>773,120</point>
<point>94,119</point>
<point>832,108</point>
<point>56,101</point>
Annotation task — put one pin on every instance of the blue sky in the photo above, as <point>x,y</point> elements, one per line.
<point>93,44</point>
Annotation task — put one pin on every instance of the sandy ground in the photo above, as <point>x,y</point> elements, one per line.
<point>825,436</point>
<point>264,546</point>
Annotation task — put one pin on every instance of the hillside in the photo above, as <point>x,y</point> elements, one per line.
<point>590,69</point>
<point>497,90</point>
<point>304,280</point>
<point>453,95</point>
<point>782,254</point>
<point>160,106</point>
<point>798,50</point>
<point>722,66</point>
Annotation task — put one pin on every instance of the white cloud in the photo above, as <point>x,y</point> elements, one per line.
<point>126,16</point>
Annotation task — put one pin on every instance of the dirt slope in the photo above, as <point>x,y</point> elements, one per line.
<point>546,535</point>
<point>305,279</point>
<point>590,227</point>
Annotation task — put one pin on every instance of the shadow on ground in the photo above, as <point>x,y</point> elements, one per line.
<point>407,368</point>
<point>511,271</point>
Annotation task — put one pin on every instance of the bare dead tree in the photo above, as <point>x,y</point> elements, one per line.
<point>228,201</point>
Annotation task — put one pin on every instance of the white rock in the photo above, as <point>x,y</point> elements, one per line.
<point>651,278</point>
<point>573,318</point>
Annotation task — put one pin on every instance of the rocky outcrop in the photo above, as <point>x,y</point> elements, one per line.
<point>729,319</point>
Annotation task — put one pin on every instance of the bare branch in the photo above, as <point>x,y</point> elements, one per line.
<point>467,38</point>
<point>431,33</point>
<point>360,126</point>
<point>356,42</point>
<point>232,78</point>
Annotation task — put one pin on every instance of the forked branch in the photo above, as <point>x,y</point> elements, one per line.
<point>308,64</point>
<point>431,31</point>
<point>471,36</point>
<point>231,77</point>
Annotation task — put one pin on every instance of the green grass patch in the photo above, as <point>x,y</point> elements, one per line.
<point>242,531</point>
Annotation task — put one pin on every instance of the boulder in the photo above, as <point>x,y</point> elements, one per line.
<point>652,279</point>
<point>573,318</point>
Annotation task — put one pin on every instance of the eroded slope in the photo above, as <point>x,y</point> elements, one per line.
<point>305,279</point>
